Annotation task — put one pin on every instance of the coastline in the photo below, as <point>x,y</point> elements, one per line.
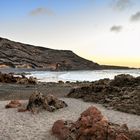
<point>38,126</point>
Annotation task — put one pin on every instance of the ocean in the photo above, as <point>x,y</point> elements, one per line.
<point>73,76</point>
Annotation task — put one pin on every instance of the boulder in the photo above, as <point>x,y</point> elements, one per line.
<point>10,78</point>
<point>38,101</point>
<point>123,80</point>
<point>25,80</point>
<point>91,125</point>
<point>7,78</point>
<point>13,104</point>
<point>61,130</point>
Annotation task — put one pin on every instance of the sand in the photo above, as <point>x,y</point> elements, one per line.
<point>28,126</point>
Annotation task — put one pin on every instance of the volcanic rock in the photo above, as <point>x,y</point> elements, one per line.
<point>10,78</point>
<point>50,103</point>
<point>122,93</point>
<point>91,125</point>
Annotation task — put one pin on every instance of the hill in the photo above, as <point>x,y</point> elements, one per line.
<point>19,55</point>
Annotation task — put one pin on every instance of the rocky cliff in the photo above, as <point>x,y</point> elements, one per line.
<point>19,55</point>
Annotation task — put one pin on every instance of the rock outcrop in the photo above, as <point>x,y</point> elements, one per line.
<point>10,78</point>
<point>91,125</point>
<point>37,102</point>
<point>122,93</point>
<point>50,103</point>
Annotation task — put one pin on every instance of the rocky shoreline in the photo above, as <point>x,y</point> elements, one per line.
<point>11,78</point>
<point>122,93</point>
<point>13,86</point>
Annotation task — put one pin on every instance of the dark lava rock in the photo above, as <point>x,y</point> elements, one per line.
<point>121,93</point>
<point>50,103</point>
<point>10,78</point>
<point>124,80</point>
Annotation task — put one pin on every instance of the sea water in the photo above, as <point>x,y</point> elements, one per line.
<point>73,76</point>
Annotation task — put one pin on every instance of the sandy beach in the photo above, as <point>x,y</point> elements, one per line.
<point>16,125</point>
<point>28,126</point>
<point>20,91</point>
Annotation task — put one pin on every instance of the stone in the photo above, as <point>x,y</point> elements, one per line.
<point>10,78</point>
<point>50,103</point>
<point>13,104</point>
<point>121,93</point>
<point>91,125</point>
<point>60,130</point>
<point>135,134</point>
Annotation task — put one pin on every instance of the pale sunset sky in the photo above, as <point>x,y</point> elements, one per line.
<point>104,31</point>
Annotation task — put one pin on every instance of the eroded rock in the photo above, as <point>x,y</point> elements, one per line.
<point>10,78</point>
<point>38,101</point>
<point>121,93</point>
<point>91,125</point>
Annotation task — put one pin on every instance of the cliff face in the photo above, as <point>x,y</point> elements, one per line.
<point>19,55</point>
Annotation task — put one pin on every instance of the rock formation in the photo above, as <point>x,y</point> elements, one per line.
<point>121,93</point>
<point>50,103</point>
<point>91,125</point>
<point>10,78</point>
<point>37,102</point>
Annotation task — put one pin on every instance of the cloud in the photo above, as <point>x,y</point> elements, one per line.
<point>121,4</point>
<point>41,11</point>
<point>135,17</point>
<point>116,28</point>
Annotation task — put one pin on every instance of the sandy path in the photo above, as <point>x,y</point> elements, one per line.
<point>27,126</point>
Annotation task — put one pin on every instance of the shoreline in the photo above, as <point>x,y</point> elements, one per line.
<point>25,125</point>
<point>10,91</point>
<point>120,93</point>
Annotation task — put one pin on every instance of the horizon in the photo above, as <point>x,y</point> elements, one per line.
<point>105,32</point>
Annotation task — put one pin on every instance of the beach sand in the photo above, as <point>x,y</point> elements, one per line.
<point>28,126</point>
<point>19,91</point>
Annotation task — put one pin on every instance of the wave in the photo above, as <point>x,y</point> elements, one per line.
<point>72,76</point>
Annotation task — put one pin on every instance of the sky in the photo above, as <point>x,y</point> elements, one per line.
<point>104,31</point>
